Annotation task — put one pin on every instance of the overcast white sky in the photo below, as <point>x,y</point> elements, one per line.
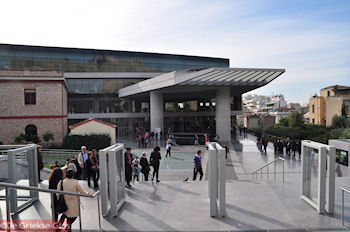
<point>310,39</point>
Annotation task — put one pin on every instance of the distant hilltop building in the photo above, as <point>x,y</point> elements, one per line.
<point>260,103</point>
<point>329,103</point>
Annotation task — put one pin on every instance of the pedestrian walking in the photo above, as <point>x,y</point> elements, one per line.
<point>91,170</point>
<point>197,161</point>
<point>40,161</point>
<point>128,166</point>
<point>145,166</point>
<point>265,142</point>
<point>70,185</point>
<point>155,162</point>
<point>168,149</point>
<point>136,173</point>
<point>82,157</point>
<point>76,163</point>
<point>196,139</point>
<point>55,177</point>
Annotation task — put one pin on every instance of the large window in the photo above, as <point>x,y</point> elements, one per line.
<point>88,60</point>
<point>95,86</point>
<point>104,104</point>
<point>342,157</point>
<point>30,96</point>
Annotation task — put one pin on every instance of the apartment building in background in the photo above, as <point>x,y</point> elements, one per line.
<point>329,103</point>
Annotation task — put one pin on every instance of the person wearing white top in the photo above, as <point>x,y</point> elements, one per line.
<point>168,148</point>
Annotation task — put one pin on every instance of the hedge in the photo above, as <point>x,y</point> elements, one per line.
<point>98,141</point>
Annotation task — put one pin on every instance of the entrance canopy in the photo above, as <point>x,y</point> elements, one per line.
<point>240,79</point>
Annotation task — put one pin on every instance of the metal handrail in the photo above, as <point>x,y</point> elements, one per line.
<point>342,203</point>
<point>8,186</point>
<point>267,169</point>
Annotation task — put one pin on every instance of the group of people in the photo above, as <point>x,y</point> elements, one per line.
<point>290,145</point>
<point>86,166</point>
<point>146,139</point>
<point>133,165</point>
<point>281,145</point>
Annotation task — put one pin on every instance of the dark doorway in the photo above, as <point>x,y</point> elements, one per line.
<point>31,131</point>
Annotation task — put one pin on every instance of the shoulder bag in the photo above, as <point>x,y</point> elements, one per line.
<point>61,203</point>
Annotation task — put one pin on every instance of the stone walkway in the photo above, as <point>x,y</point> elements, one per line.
<point>177,205</point>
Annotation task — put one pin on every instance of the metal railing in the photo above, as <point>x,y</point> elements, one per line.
<point>8,186</point>
<point>342,203</point>
<point>255,173</point>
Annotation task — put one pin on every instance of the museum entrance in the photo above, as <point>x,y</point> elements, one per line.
<point>201,124</point>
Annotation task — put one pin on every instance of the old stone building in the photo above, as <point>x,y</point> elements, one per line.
<point>32,103</point>
<point>330,102</point>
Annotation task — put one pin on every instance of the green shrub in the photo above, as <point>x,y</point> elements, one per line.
<point>48,136</point>
<point>345,134</point>
<point>98,141</point>
<point>23,137</point>
<point>20,138</point>
<point>339,121</point>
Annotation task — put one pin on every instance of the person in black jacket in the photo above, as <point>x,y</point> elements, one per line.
<point>145,166</point>
<point>91,170</point>
<point>54,178</point>
<point>40,161</point>
<point>155,161</point>
<point>128,166</point>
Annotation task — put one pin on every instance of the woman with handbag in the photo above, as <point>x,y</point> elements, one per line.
<point>54,178</point>
<point>72,203</point>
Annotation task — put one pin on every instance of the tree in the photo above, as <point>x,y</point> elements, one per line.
<point>295,119</point>
<point>343,111</point>
<point>284,122</point>
<point>338,122</point>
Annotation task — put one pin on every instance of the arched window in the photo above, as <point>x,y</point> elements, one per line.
<point>31,131</point>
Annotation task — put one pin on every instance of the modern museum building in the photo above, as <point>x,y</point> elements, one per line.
<point>146,91</point>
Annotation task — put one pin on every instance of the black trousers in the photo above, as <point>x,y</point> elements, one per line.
<point>168,152</point>
<point>145,174</point>
<point>155,172</point>
<point>195,173</point>
<point>70,221</point>
<point>92,174</point>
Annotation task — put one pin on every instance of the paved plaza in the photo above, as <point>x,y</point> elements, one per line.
<point>178,205</point>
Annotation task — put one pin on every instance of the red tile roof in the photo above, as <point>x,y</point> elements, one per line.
<point>89,120</point>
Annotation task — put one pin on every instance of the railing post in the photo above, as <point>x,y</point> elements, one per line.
<point>267,172</point>
<point>99,212</point>
<point>274,167</point>
<point>342,207</point>
<point>283,170</point>
<point>79,213</point>
<point>8,214</point>
<point>53,207</point>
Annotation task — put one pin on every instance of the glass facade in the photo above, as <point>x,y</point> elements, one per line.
<point>101,96</point>
<point>20,57</point>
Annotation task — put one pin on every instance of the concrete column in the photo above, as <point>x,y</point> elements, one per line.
<point>223,114</point>
<point>156,111</point>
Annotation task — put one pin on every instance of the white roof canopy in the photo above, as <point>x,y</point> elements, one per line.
<point>249,77</point>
